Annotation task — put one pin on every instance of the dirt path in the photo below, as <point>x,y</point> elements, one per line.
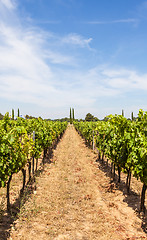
<point>73,201</point>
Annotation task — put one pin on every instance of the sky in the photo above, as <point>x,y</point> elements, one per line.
<point>90,55</point>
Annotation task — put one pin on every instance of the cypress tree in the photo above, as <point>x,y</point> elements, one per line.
<point>132,116</point>
<point>123,113</point>
<point>73,115</point>
<point>12,114</point>
<point>18,112</point>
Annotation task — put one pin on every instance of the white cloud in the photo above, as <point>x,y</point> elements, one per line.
<point>26,74</point>
<point>47,22</point>
<point>56,57</point>
<point>8,4</point>
<point>32,71</point>
<point>19,55</point>
<point>76,39</point>
<point>128,20</point>
<point>125,79</point>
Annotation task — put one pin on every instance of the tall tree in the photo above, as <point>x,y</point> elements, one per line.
<point>132,116</point>
<point>18,112</point>
<point>122,112</point>
<point>73,114</point>
<point>12,114</point>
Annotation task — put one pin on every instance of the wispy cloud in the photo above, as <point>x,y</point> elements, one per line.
<point>76,39</point>
<point>9,4</point>
<point>141,10</point>
<point>32,71</point>
<point>44,22</point>
<point>58,58</point>
<point>128,20</point>
<point>28,64</point>
<point>124,79</point>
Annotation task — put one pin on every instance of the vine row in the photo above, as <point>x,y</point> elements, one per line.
<point>23,141</point>
<point>124,142</point>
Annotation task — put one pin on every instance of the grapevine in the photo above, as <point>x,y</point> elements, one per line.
<point>17,147</point>
<point>124,142</point>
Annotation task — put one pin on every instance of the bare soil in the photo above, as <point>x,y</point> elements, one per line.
<point>76,200</point>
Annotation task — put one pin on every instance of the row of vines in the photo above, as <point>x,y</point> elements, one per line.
<point>124,143</point>
<point>22,142</point>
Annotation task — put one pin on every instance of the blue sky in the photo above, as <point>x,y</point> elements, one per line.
<point>90,55</point>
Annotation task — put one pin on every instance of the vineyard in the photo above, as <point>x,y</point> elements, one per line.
<point>22,143</point>
<point>118,143</point>
<point>122,141</point>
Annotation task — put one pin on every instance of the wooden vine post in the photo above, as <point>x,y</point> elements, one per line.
<point>33,155</point>
<point>24,179</point>
<point>142,204</point>
<point>8,193</point>
<point>93,141</point>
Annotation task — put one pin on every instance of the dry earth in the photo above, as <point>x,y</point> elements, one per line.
<point>75,200</point>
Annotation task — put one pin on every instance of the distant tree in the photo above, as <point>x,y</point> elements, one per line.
<point>30,117</point>
<point>27,116</point>
<point>64,119</point>
<point>12,114</point>
<point>1,116</point>
<point>89,117</point>
<point>18,113</point>
<point>122,112</point>
<point>132,116</point>
<point>73,114</point>
<point>96,119</point>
